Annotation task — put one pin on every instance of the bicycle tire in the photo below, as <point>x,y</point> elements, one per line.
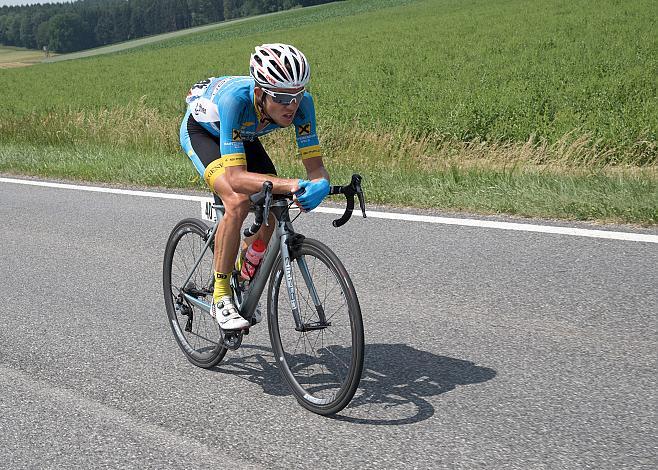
<point>308,377</point>
<point>202,345</point>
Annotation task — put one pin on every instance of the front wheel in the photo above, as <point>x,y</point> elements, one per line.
<point>321,359</point>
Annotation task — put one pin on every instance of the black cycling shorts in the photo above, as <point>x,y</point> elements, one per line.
<point>203,149</point>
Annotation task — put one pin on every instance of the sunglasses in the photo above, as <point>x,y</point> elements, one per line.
<point>284,98</point>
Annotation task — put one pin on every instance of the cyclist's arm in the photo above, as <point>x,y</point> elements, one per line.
<point>307,140</point>
<point>246,182</point>
<point>243,181</point>
<point>315,168</point>
<point>311,153</point>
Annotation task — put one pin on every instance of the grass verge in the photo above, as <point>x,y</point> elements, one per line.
<point>605,195</point>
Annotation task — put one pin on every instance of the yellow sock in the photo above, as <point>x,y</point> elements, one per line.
<point>222,286</point>
<point>240,261</point>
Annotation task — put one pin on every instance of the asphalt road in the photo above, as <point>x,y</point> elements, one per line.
<point>485,349</point>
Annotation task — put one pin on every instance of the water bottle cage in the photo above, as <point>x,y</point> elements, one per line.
<point>254,266</point>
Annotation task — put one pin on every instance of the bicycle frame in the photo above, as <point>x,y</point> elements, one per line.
<point>279,246</point>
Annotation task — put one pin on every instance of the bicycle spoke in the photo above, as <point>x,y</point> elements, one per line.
<point>333,331</point>
<point>299,338</point>
<point>336,311</point>
<point>204,338</point>
<point>338,359</point>
<point>336,285</point>
<point>321,336</point>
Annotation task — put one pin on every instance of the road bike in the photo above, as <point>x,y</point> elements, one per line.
<point>313,313</point>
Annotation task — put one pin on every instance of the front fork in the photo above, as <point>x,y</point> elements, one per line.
<point>287,241</point>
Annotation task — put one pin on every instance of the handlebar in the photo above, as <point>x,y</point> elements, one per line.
<point>354,188</point>
<point>263,201</point>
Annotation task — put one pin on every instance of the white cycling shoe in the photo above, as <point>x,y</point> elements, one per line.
<point>227,316</point>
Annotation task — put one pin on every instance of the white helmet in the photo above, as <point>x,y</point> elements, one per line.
<point>279,66</point>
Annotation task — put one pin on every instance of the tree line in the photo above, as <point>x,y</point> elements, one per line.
<point>84,24</point>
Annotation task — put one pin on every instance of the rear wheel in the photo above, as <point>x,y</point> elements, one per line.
<point>321,361</point>
<point>196,332</point>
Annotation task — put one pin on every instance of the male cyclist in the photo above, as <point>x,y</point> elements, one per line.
<point>225,116</point>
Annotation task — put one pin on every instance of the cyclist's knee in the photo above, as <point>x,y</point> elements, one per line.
<point>236,205</point>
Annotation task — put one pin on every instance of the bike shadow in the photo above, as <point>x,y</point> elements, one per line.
<point>397,383</point>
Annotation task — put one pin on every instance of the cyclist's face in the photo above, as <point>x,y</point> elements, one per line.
<point>281,114</point>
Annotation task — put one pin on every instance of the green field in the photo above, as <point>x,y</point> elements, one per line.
<point>517,106</point>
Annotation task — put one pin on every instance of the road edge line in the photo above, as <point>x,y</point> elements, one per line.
<point>478,223</point>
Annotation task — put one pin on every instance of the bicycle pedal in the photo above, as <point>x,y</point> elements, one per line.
<point>232,339</point>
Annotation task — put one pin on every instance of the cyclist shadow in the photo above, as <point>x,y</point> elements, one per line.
<point>397,381</point>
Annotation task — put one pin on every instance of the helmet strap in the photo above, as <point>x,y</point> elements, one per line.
<point>264,117</point>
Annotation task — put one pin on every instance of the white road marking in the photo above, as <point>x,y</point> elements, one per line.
<point>97,189</point>
<point>577,232</point>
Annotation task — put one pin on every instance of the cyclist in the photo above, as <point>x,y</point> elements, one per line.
<point>225,116</point>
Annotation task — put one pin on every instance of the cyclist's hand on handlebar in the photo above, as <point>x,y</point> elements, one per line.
<point>295,187</point>
<point>311,193</point>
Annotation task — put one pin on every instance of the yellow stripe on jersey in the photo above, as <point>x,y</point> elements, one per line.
<point>311,151</point>
<point>218,167</point>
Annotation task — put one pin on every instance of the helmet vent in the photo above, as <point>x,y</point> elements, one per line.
<point>277,73</point>
<point>261,77</point>
<point>289,66</point>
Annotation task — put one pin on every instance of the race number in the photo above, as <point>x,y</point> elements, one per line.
<point>207,211</point>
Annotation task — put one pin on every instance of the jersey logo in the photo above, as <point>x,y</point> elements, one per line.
<point>199,109</point>
<point>236,135</point>
<point>304,129</point>
<point>202,84</point>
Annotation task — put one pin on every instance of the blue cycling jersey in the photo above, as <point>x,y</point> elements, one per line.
<point>225,107</point>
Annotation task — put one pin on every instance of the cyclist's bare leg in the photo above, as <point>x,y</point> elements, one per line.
<point>227,238</point>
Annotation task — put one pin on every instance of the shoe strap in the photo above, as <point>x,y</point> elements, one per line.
<point>231,308</point>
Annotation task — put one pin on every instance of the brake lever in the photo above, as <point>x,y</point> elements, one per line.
<point>267,186</point>
<point>265,197</point>
<point>359,192</point>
